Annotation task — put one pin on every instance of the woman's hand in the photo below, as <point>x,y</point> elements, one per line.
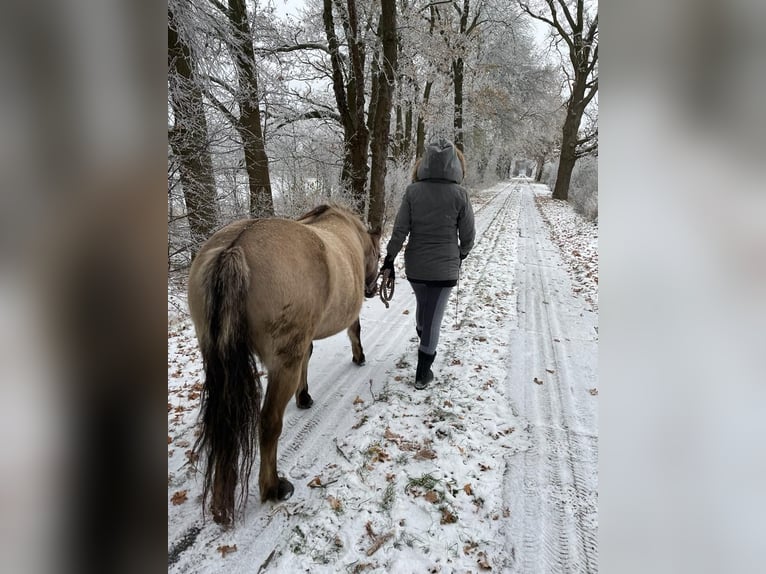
<point>388,264</point>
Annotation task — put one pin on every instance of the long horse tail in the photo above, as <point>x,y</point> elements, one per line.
<point>231,396</point>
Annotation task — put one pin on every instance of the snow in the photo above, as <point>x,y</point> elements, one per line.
<point>485,469</point>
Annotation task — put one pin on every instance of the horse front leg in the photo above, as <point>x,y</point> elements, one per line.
<point>354,333</point>
<point>302,397</point>
<point>283,384</point>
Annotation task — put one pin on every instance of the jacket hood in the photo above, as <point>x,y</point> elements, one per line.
<point>440,161</point>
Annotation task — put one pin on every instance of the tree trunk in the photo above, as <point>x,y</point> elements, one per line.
<point>457,74</point>
<point>382,118</point>
<point>350,101</point>
<point>188,139</point>
<point>420,145</point>
<point>569,138</point>
<point>540,167</point>
<point>249,128</point>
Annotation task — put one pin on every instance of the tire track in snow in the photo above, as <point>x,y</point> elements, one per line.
<point>551,489</point>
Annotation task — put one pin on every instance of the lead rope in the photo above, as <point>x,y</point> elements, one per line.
<point>387,286</point>
<point>457,297</point>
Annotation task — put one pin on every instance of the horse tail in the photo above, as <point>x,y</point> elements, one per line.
<point>231,396</point>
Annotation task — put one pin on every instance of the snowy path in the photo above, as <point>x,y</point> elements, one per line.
<point>553,485</point>
<point>485,469</point>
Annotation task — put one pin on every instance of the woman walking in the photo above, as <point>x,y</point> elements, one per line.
<point>437,215</point>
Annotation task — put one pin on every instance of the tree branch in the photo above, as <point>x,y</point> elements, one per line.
<point>567,14</point>
<point>592,92</point>
<point>223,8</point>
<point>554,23</point>
<point>311,114</point>
<point>223,109</point>
<point>294,48</point>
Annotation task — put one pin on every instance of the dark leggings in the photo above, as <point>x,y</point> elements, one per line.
<point>432,302</point>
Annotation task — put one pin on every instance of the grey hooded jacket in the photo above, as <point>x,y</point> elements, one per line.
<point>437,215</point>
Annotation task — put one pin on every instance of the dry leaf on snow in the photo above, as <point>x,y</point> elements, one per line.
<point>425,454</point>
<point>316,482</point>
<point>483,562</point>
<point>447,516</point>
<point>335,503</point>
<point>431,496</point>
<point>226,549</point>
<point>468,490</point>
<point>593,391</point>
<point>179,497</point>
<point>358,400</point>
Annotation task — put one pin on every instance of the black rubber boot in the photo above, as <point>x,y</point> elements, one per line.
<point>424,374</point>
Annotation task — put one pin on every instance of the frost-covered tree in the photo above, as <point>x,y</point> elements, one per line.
<point>574,28</point>
<point>188,134</point>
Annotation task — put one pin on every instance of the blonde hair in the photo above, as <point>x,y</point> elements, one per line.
<point>418,161</point>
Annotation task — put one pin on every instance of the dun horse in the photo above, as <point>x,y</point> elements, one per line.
<point>270,287</point>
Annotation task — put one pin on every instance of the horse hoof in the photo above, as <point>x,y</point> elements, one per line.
<point>285,489</point>
<point>305,402</point>
<point>360,361</point>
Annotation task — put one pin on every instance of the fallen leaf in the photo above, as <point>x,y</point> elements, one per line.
<point>370,531</point>
<point>179,497</point>
<point>447,516</point>
<point>335,503</point>
<point>593,391</point>
<point>392,436</point>
<point>226,549</point>
<point>484,467</point>
<point>406,312</point>
<point>425,454</point>
<point>358,400</point>
<point>431,496</point>
<point>483,562</point>
<point>538,381</point>
<point>380,541</point>
<point>468,490</point>
<point>169,439</point>
<point>316,482</point>
<point>456,362</point>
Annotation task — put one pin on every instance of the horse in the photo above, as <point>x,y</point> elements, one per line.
<point>268,288</point>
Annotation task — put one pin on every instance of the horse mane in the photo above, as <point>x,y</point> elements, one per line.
<point>315,213</point>
<point>327,209</point>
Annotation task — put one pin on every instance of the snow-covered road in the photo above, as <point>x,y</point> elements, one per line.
<point>494,466</point>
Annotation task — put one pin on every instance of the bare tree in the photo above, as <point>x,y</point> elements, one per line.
<point>188,136</point>
<point>350,98</point>
<point>248,124</point>
<point>381,112</point>
<point>571,23</point>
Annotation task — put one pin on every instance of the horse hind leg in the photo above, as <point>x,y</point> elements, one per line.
<point>302,397</point>
<point>354,333</point>
<point>283,384</point>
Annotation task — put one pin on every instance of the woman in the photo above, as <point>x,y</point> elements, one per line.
<point>437,215</point>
